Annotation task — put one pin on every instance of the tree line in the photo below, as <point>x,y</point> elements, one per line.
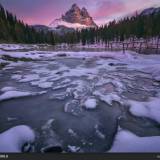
<point>14,30</point>
<point>138,26</point>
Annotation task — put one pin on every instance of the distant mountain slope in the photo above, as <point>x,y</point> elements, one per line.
<point>40,27</point>
<point>149,11</point>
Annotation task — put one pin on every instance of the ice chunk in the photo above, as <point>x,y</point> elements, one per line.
<point>108,98</point>
<point>5,89</point>
<point>13,139</point>
<point>126,141</point>
<point>11,119</point>
<point>73,149</point>
<point>72,132</point>
<point>45,84</point>
<point>157,78</point>
<point>17,94</point>
<point>31,77</point>
<point>13,94</point>
<point>48,124</point>
<point>90,103</point>
<point>16,77</point>
<point>73,107</point>
<point>99,133</point>
<point>60,86</point>
<point>82,89</point>
<point>59,96</point>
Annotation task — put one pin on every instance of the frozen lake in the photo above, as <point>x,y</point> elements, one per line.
<point>81,103</point>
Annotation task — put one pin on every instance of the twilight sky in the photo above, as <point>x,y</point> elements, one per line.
<point>102,11</point>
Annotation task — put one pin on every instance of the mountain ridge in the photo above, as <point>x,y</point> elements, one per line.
<point>151,10</point>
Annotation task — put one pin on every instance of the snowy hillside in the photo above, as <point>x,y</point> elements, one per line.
<point>150,11</point>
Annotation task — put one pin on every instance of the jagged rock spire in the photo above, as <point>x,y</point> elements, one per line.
<point>77,15</point>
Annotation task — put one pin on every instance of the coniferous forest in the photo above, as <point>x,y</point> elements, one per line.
<point>14,30</point>
<point>138,26</point>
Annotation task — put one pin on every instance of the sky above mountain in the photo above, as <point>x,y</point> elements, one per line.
<point>102,11</point>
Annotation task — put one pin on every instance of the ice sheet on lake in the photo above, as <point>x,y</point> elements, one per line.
<point>98,76</point>
<point>51,54</point>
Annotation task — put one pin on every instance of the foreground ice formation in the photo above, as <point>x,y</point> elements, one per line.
<point>76,101</point>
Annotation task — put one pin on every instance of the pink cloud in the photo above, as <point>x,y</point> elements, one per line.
<point>108,7</point>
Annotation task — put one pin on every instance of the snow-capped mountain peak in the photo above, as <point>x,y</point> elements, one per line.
<point>74,18</point>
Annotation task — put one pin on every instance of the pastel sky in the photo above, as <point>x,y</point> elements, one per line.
<point>102,11</point>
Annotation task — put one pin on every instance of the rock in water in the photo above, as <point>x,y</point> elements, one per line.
<point>52,149</point>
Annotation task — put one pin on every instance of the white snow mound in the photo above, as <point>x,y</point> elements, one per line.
<point>13,139</point>
<point>126,141</point>
<point>149,109</point>
<point>90,103</point>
